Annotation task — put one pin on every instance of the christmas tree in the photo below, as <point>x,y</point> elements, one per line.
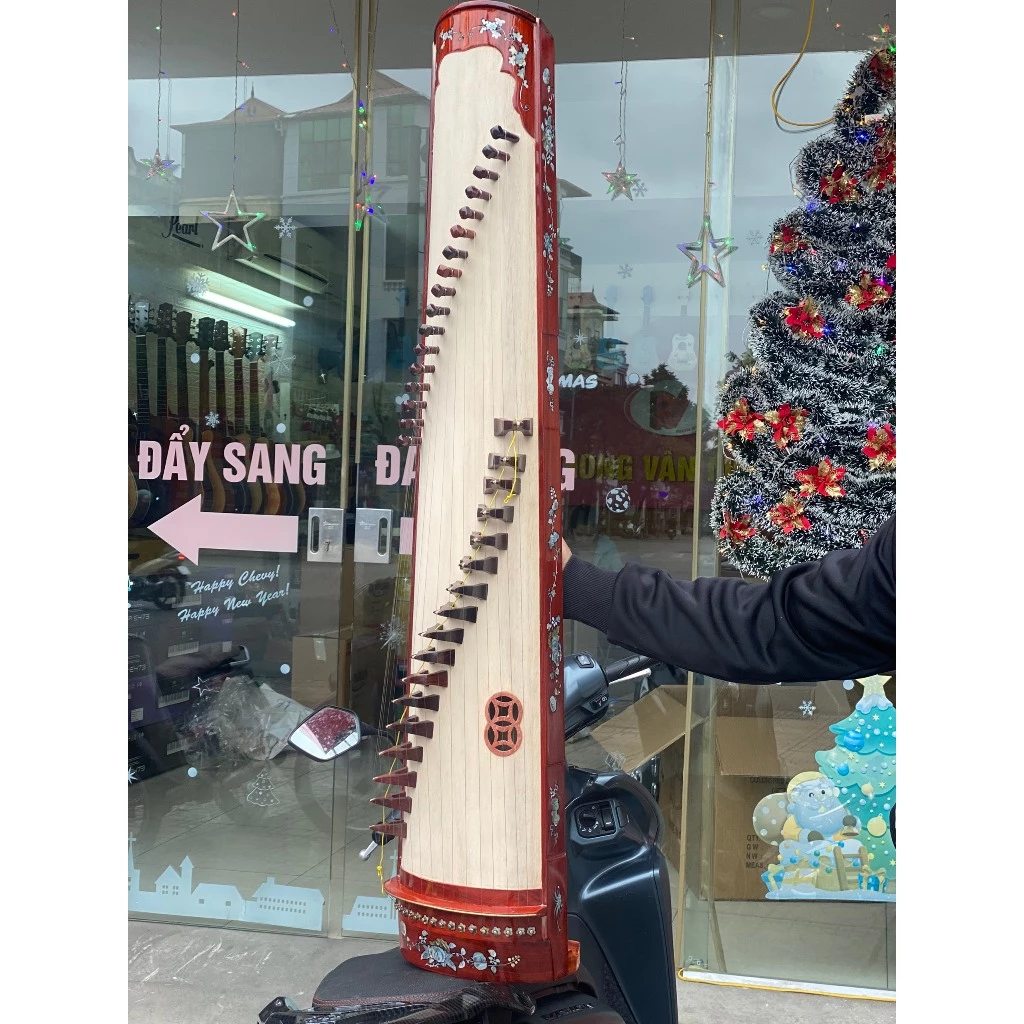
<point>261,790</point>
<point>863,767</point>
<point>810,420</point>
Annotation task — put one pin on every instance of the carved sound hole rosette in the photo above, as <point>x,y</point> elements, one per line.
<point>503,733</point>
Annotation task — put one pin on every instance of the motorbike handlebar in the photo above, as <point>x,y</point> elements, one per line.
<point>627,667</point>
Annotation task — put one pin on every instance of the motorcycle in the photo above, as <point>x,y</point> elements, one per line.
<point>619,907</point>
<point>161,581</point>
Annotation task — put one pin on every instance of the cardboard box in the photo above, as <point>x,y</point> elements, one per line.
<point>314,669</point>
<point>644,729</point>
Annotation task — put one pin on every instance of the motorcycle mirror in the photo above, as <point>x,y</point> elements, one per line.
<point>327,733</point>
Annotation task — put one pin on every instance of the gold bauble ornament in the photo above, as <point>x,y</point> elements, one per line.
<point>877,826</point>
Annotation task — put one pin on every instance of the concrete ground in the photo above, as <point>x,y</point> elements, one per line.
<point>179,974</point>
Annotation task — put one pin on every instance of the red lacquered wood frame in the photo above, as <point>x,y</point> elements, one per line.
<point>486,934</point>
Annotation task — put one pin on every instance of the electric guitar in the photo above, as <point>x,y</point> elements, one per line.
<point>255,348</point>
<point>253,495</point>
<point>215,497</point>
<point>182,337</point>
<point>166,425</point>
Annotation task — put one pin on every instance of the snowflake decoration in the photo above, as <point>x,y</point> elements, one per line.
<point>130,584</point>
<point>132,777</point>
<point>580,339</point>
<point>279,364</point>
<point>625,271</point>
<point>392,634</point>
<point>197,285</point>
<point>639,187</point>
<point>212,419</point>
<point>807,709</point>
<point>285,228</point>
<point>755,238</point>
<point>400,400</point>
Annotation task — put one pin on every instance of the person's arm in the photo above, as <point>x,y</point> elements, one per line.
<point>819,620</point>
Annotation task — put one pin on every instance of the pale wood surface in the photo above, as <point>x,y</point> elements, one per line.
<point>476,817</point>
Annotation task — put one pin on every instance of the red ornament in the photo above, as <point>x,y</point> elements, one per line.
<point>880,450</point>
<point>742,420</point>
<point>883,67</point>
<point>804,320</point>
<point>787,424</point>
<point>868,292</point>
<point>786,240</point>
<point>788,515</point>
<point>883,171</point>
<point>838,187</point>
<point>890,263</point>
<point>824,479</point>
<point>737,530</point>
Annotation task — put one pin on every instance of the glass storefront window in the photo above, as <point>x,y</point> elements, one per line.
<point>289,346</point>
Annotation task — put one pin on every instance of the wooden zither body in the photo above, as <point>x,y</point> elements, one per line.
<point>475,786</point>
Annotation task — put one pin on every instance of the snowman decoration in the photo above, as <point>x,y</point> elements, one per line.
<point>683,357</point>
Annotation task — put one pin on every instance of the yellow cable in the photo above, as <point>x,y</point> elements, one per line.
<point>780,988</point>
<point>777,91</point>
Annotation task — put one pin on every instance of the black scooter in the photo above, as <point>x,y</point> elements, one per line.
<point>619,906</point>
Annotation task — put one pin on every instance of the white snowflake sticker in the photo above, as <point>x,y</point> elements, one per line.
<point>807,709</point>
<point>197,285</point>
<point>212,419</point>
<point>285,227</point>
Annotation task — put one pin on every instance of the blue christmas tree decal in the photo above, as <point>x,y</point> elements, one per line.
<point>863,767</point>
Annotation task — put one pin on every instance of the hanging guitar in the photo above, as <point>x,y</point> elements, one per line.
<point>183,416</point>
<point>214,494</point>
<point>255,347</point>
<point>248,494</point>
<point>166,424</point>
<point>156,503</point>
<point>235,494</point>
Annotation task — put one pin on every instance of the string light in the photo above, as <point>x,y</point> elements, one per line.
<point>620,181</point>
<point>158,166</point>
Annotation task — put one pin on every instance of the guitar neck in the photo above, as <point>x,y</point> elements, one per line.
<point>222,397</point>
<point>161,377</point>
<point>204,382</point>
<point>254,399</point>
<point>182,385</point>
<point>142,379</point>
<point>239,397</point>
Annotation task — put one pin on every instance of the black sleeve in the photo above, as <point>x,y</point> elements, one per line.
<point>828,619</point>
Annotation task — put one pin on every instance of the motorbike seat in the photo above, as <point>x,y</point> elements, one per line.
<point>388,977</point>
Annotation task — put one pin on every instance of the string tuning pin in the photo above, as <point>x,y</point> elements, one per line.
<point>410,405</point>
<point>440,291</point>
<point>497,132</point>
<point>484,174</point>
<point>433,310</point>
<point>417,425</point>
<point>423,349</point>
<point>426,329</point>
<point>421,368</point>
<point>409,440</point>
<point>496,154</point>
<point>445,271</point>
<point>468,213</point>
<point>449,252</point>
<point>416,385</point>
<point>458,231</point>
<point>472,192</point>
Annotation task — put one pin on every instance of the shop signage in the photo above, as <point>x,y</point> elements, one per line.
<point>278,463</point>
<point>175,227</point>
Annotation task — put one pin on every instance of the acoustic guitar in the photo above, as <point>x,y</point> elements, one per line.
<point>145,512</point>
<point>138,501</point>
<point>235,494</point>
<point>215,497</point>
<point>239,343</point>
<point>165,424</point>
<point>183,417</point>
<point>254,351</point>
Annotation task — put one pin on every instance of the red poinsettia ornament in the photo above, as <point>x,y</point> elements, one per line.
<point>804,319</point>
<point>824,479</point>
<point>788,515</point>
<point>838,187</point>
<point>737,530</point>
<point>883,67</point>
<point>787,423</point>
<point>786,240</point>
<point>743,421</point>
<point>880,449</point>
<point>883,171</point>
<point>869,291</point>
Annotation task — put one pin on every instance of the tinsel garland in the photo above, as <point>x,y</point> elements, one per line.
<point>819,394</point>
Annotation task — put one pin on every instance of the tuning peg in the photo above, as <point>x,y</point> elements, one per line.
<point>497,132</point>
<point>484,174</point>
<point>418,425</point>
<point>449,252</point>
<point>458,231</point>
<point>468,213</point>
<point>410,404</point>
<point>409,441</point>
<point>422,349</point>
<point>496,154</point>
<point>433,310</point>
<point>416,385</point>
<point>420,368</point>
<point>439,291</point>
<point>426,329</point>
<point>472,192</point>
<point>446,271</point>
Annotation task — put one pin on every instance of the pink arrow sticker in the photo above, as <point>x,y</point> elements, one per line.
<point>189,528</point>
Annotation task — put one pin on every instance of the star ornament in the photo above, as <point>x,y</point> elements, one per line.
<point>160,168</point>
<point>227,223</point>
<point>702,262</point>
<point>620,182</point>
